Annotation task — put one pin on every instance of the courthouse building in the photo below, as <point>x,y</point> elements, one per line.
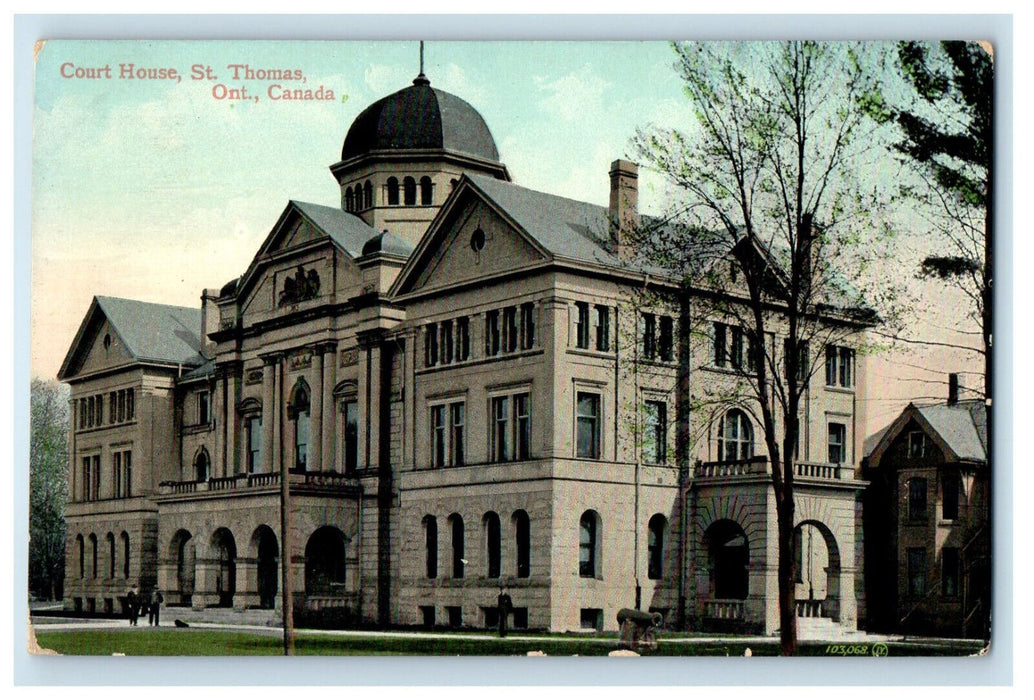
<point>464,387</point>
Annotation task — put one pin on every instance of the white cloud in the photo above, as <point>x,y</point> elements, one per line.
<point>383,80</point>
<point>575,95</point>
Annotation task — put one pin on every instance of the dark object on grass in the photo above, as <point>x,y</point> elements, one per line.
<point>181,623</point>
<point>638,628</point>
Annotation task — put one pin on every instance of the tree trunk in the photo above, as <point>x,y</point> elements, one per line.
<point>787,611</point>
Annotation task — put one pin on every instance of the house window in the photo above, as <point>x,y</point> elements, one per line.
<point>457,421</point>
<point>393,191</point>
<point>591,619</point>
<point>409,191</point>
<point>655,546</point>
<point>447,434</point>
<point>201,464</point>
<point>254,428</point>
<point>916,444</point>
<point>116,473</point>
<point>93,555</point>
<point>427,615</point>
<point>299,413</point>
<point>351,414</point>
<point>100,410</point>
<point>602,328</point>
<point>86,493</point>
<point>916,571</point>
<point>917,499</point>
<point>438,436</point>
<point>455,613</point>
<point>655,431</point>
<point>113,407</point>
<point>430,344</point>
<point>129,404</point>
<point>425,191</point>
<point>649,336</point>
<point>587,428</point>
<point>837,443</point>
<point>803,367</point>
<point>510,328</point>
<point>111,555</point>
<point>368,194</point>
<point>522,425</point>
<point>666,343</point>
<point>122,405</point>
<point>462,339</point>
<point>456,525</point>
<point>527,325</point>
<point>501,446</point>
<point>951,487</point>
<point>839,366</point>
<point>735,437</point>
<point>511,427</point>
<point>582,325</point>
<point>446,342</point>
<point>349,200</point>
<point>492,335</point>
<point>122,473</point>
<point>493,544</point>
<point>588,545</point>
<point>80,549</point>
<point>431,546</point>
<point>125,555</point>
<point>522,538</point>
<point>950,571</point>
<point>127,474</point>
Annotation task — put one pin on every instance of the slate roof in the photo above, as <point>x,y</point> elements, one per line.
<point>348,230</point>
<point>204,370</point>
<point>962,426</point>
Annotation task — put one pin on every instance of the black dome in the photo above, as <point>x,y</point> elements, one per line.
<point>420,117</point>
<point>388,244</point>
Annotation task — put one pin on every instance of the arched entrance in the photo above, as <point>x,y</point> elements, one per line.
<point>728,559</point>
<point>182,551</point>
<point>325,563</point>
<point>225,551</point>
<point>817,570</point>
<point>265,545</point>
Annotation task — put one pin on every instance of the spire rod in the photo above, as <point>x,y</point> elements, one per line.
<point>421,58</point>
<point>421,79</point>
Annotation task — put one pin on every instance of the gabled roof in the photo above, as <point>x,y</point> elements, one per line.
<point>347,230</point>
<point>150,332</point>
<point>960,429</point>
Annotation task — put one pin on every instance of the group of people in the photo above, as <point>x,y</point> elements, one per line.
<point>137,604</point>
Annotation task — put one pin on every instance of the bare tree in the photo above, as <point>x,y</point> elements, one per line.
<point>48,490</point>
<point>773,228</point>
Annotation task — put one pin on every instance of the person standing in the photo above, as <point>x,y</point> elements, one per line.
<point>133,606</point>
<point>503,605</point>
<point>155,610</point>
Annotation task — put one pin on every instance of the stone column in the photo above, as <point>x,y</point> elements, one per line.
<point>231,382</point>
<point>315,462</point>
<point>205,573</point>
<point>373,412</point>
<point>268,412</point>
<point>219,413</point>
<point>277,453</point>
<point>329,353</point>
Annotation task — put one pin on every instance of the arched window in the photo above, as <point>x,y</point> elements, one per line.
<point>93,555</point>
<point>735,437</point>
<point>431,545</point>
<point>409,191</point>
<point>456,525</point>
<point>201,465</point>
<point>80,547</point>
<point>298,411</point>
<point>125,555</point>
<point>588,545</point>
<point>493,543</point>
<point>349,200</point>
<point>522,536</point>
<point>393,191</point>
<point>111,555</point>
<point>368,195</point>
<point>425,190</point>
<point>325,562</point>
<point>655,546</point>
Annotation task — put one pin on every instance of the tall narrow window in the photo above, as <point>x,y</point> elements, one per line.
<point>110,539</point>
<point>916,571</point>
<point>255,445</point>
<point>425,191</point>
<point>368,195</point>
<point>457,420</point>
<point>100,409</point>
<point>588,537</point>
<point>522,421</point>
<point>951,486</point>
<point>510,328</point>
<point>393,191</point>
<point>846,367</point>
<point>587,425</point>
<point>501,446</point>
<point>431,546</point>
<point>204,400</point>
<point>93,555</point>
<point>299,413</point>
<point>112,407</point>
<point>492,336</point>
<point>438,436</point>
<point>430,344</point>
<point>96,477</point>
<point>201,466</point>
<point>602,328</point>
<point>122,406</point>
<point>522,537</point>
<point>736,347</point>
<point>125,555</point>
<point>351,414</point>
<point>527,325</point>
<point>950,571</point>
<point>462,339</point>
<point>493,544</point>
<point>116,473</point>
<point>655,430</point>
<point>581,325</point>
<point>917,499</point>
<point>349,200</point>
<point>456,524</point>
<point>80,547</point>
<point>129,404</point>
<point>649,336</point>
<point>719,345</point>
<point>666,343</point>
<point>409,191</point>
<point>446,342</point>
<point>735,437</point>
<point>655,546</point>
<point>837,443</point>
<point>87,491</point>
<point>127,478</point>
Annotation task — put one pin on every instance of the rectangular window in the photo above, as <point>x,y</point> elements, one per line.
<point>916,444</point>
<point>112,407</point>
<point>840,366</point>
<point>588,426</point>
<point>492,339</point>
<point>655,431</point>
<point>846,367</point>
<point>527,325</point>
<point>602,328</point>
<point>666,343</point>
<point>951,485</point>
<point>591,619</point>
<point>255,445</point>
<point>122,406</point>
<point>736,347</point>
<point>438,436</point>
<point>116,473</point>
<point>86,492</point>
<point>510,329</point>
<point>100,410</point>
<point>582,327</point>
<point>455,614</point>
<point>917,499</point>
<point>129,404</point>
<point>457,421</point>
<point>916,571</point>
<point>832,357</point>
<point>431,345</point>
<point>950,571</point>
<point>649,336</point>
<point>427,615</point>
<point>127,477</point>
<point>96,478</point>
<point>462,339</point>
<point>351,413</point>
<point>501,449</point>
<point>203,407</point>
<point>719,345</point>
<point>82,413</point>
<point>445,343</point>
<point>522,411</point>
<point>837,443</point>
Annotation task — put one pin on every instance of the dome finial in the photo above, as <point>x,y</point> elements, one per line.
<point>421,79</point>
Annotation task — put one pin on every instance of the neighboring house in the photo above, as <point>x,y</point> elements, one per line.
<point>466,393</point>
<point>926,521</point>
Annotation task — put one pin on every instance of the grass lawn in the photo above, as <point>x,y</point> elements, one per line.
<point>195,642</point>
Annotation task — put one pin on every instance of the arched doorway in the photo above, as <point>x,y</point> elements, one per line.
<point>182,552</point>
<point>265,545</point>
<point>728,557</point>
<point>325,563</point>
<point>202,463</point>
<point>225,551</point>
<point>816,570</point>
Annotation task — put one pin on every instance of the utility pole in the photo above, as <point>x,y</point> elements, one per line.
<point>285,554</point>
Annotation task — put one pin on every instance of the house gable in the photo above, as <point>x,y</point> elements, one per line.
<point>100,349</point>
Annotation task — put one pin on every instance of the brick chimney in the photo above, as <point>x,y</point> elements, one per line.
<point>209,320</point>
<point>953,389</point>
<point>624,205</point>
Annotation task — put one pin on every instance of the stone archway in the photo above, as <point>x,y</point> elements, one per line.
<point>325,563</point>
<point>266,553</point>
<point>182,552</point>
<point>818,570</point>
<point>224,549</point>
<point>728,556</point>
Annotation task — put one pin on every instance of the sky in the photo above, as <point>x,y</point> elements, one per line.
<point>154,189</point>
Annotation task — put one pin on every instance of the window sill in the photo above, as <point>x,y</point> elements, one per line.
<point>471,362</point>
<point>839,389</point>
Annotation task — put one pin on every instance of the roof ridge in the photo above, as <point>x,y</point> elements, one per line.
<point>529,189</point>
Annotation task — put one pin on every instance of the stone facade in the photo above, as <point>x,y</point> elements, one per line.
<point>466,393</point>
